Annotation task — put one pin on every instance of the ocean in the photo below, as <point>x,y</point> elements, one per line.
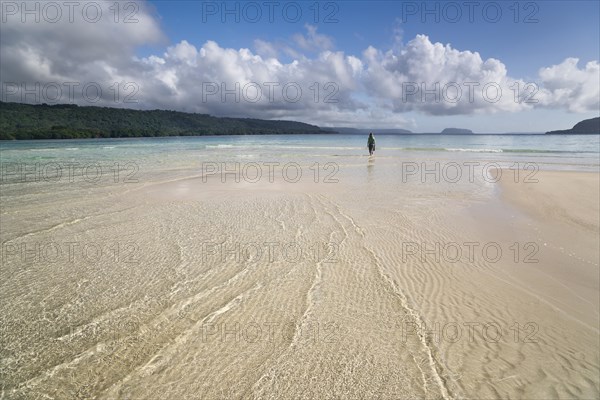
<point>237,266</point>
<point>580,152</point>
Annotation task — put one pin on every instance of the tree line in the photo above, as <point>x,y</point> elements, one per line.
<point>20,121</point>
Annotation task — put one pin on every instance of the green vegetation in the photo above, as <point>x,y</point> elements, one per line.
<point>585,127</point>
<point>67,121</point>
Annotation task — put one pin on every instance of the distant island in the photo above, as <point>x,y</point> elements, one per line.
<point>68,121</point>
<point>457,131</point>
<point>585,127</point>
<point>20,121</point>
<point>397,131</point>
<point>361,131</point>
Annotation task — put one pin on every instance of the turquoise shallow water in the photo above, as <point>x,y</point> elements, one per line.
<point>578,152</point>
<point>485,143</point>
<point>128,318</point>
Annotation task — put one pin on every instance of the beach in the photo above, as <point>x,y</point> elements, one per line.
<point>305,270</point>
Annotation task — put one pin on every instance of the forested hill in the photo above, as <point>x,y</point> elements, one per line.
<point>585,127</point>
<point>67,121</point>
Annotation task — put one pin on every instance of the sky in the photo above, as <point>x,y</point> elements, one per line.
<point>489,66</point>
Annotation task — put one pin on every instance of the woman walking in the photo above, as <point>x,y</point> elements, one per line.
<point>371,144</point>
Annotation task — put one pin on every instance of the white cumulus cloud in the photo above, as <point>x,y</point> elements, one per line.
<point>568,87</point>
<point>318,84</point>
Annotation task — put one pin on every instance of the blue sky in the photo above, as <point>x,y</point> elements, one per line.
<point>369,49</point>
<point>527,37</point>
<point>547,31</point>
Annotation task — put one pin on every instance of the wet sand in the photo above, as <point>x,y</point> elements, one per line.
<point>365,288</point>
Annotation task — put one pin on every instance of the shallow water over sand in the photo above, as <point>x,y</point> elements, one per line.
<point>298,269</point>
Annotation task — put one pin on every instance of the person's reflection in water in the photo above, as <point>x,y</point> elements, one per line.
<point>370,168</point>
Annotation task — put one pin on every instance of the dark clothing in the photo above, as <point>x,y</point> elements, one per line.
<point>371,144</point>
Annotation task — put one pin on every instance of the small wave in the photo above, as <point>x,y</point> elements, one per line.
<point>71,148</point>
<point>108,147</point>
<point>318,147</point>
<point>219,146</point>
<point>424,149</point>
<point>548,151</point>
<point>476,150</point>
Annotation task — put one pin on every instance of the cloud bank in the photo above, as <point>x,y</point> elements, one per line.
<point>95,63</point>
